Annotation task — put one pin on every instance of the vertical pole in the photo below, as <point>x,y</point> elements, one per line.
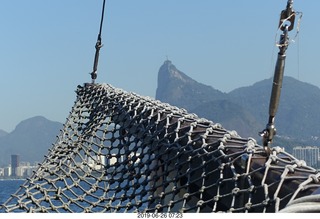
<point>270,131</point>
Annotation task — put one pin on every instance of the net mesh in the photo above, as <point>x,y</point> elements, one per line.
<point>120,152</point>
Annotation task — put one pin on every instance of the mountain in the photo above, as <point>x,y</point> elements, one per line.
<point>230,115</point>
<point>31,139</point>
<point>245,109</point>
<point>3,133</point>
<point>176,87</point>
<point>298,114</point>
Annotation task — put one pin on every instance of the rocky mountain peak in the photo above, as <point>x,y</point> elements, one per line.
<point>173,85</point>
<point>169,72</point>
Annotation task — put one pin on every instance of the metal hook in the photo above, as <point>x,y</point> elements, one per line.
<point>287,15</point>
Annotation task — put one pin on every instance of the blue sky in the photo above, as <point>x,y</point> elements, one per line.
<point>47,47</point>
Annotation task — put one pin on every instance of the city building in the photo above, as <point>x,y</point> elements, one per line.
<point>15,161</point>
<point>17,169</point>
<point>310,154</point>
<point>7,171</point>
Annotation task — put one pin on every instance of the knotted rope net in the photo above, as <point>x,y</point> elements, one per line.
<point>120,152</point>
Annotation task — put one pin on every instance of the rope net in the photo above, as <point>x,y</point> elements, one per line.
<point>120,152</point>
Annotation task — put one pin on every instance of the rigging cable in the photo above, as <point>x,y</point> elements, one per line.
<point>98,47</point>
<point>286,24</point>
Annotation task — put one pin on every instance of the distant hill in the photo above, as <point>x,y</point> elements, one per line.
<point>3,133</point>
<point>31,139</point>
<point>245,109</point>
<point>298,114</point>
<point>230,115</point>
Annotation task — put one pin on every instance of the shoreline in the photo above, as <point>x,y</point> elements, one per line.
<point>12,179</point>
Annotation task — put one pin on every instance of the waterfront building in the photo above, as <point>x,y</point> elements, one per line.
<point>310,154</point>
<point>15,161</point>
<point>7,171</point>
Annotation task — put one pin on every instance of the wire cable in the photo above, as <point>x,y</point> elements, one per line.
<point>98,46</point>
